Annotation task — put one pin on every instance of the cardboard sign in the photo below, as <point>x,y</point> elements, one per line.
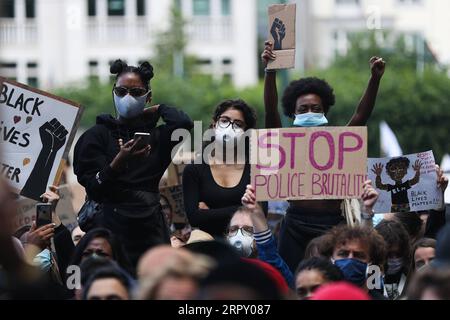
<point>282,35</point>
<point>36,132</point>
<point>172,201</point>
<point>26,212</point>
<point>308,163</point>
<point>406,183</point>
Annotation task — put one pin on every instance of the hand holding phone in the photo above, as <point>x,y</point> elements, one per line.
<point>143,139</point>
<point>43,214</point>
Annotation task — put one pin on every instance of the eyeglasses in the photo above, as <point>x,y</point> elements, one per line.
<point>134,92</point>
<point>246,230</point>
<point>225,123</point>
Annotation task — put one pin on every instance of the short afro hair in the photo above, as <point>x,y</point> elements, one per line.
<point>401,160</point>
<point>310,85</point>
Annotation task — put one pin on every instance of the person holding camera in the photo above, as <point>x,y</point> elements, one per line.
<point>121,160</point>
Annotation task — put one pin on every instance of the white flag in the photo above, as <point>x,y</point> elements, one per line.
<point>388,142</point>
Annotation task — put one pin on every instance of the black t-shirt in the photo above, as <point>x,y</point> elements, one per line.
<point>199,186</point>
<point>399,193</point>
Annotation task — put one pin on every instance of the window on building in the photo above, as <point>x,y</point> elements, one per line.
<point>344,2</point>
<point>8,69</point>
<point>226,7</point>
<point>8,65</point>
<point>93,70</point>
<point>140,7</point>
<point>7,8</point>
<point>201,7</point>
<point>92,8</point>
<point>116,7</point>
<point>32,74</point>
<point>30,8</point>
<point>410,2</point>
<point>226,61</point>
<point>203,61</point>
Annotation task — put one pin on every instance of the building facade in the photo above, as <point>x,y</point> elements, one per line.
<point>52,43</point>
<point>325,25</point>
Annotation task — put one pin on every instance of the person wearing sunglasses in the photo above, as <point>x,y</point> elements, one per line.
<point>123,173</point>
<point>212,189</point>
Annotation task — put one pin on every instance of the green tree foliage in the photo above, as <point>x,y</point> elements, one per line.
<point>416,105</point>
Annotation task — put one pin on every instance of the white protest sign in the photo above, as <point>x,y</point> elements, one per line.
<point>406,183</point>
<point>36,132</point>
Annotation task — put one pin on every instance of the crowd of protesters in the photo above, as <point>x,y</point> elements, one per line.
<point>226,249</point>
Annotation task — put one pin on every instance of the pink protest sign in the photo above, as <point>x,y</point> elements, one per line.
<point>308,163</point>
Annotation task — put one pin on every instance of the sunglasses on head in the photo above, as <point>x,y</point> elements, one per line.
<point>134,92</point>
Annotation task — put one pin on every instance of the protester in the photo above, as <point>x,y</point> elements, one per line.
<point>442,257</point>
<point>431,284</point>
<point>312,273</point>
<point>239,280</point>
<point>153,259</point>
<point>77,234</point>
<point>212,191</point>
<point>176,278</point>
<point>307,101</point>
<point>352,250</point>
<point>108,283</point>
<point>240,233</point>
<point>36,242</point>
<point>101,242</point>
<point>398,258</point>
<point>20,280</point>
<point>422,253</point>
<point>313,248</point>
<point>123,173</point>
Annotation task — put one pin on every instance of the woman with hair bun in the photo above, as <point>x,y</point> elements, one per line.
<point>123,173</point>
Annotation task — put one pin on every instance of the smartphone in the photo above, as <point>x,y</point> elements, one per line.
<point>144,139</point>
<point>43,214</point>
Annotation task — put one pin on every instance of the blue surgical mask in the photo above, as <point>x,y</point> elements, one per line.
<point>128,106</point>
<point>43,260</point>
<point>310,119</point>
<point>354,271</point>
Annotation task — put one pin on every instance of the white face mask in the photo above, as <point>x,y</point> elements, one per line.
<point>227,134</point>
<point>128,106</point>
<point>243,243</point>
<point>43,260</point>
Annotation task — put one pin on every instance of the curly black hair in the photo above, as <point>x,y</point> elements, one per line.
<point>402,160</point>
<point>329,271</point>
<point>305,86</point>
<point>144,71</point>
<point>237,104</point>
